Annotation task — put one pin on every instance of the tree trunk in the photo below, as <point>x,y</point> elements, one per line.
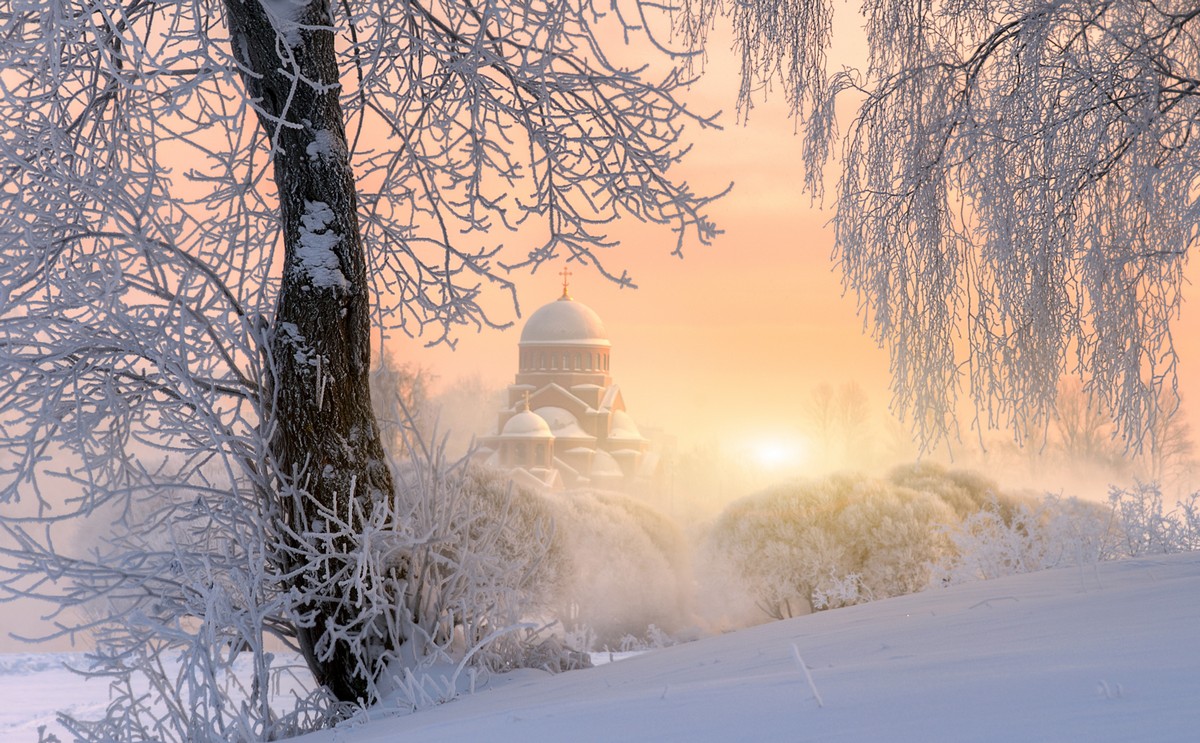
<point>326,440</point>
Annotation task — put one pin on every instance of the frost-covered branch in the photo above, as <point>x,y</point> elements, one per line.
<point>1018,192</point>
<point>207,210</point>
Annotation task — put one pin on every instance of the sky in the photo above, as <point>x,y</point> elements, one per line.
<point>727,345</point>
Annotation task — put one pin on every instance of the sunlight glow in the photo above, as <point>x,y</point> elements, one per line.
<point>779,453</point>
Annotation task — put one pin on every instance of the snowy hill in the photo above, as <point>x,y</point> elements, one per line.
<point>1104,654</point>
<point>1110,654</point>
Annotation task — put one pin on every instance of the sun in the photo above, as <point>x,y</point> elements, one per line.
<point>779,453</point>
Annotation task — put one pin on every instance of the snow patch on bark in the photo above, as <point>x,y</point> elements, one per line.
<point>315,250</point>
<point>285,18</point>
<point>324,145</point>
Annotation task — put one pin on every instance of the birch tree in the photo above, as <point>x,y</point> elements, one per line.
<point>206,210</point>
<point>1018,191</point>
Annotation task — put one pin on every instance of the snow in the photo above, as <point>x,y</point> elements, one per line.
<point>315,250</point>
<point>285,18</point>
<point>33,686</point>
<point>1107,653</point>
<point>325,145</point>
<point>1100,655</point>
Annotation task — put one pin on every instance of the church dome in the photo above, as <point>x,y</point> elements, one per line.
<point>623,427</point>
<point>528,425</point>
<point>564,322</point>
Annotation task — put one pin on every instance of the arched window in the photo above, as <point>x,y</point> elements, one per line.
<point>589,366</point>
<point>578,361</point>
<point>541,361</point>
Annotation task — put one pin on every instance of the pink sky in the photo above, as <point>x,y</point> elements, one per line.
<point>730,340</point>
<point>727,344</point>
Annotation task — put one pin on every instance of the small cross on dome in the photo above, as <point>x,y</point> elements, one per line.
<point>565,273</point>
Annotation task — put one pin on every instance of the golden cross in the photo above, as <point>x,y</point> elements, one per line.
<point>565,274</point>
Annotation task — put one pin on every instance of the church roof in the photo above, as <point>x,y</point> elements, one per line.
<point>563,424</point>
<point>623,427</point>
<point>564,322</point>
<point>527,424</point>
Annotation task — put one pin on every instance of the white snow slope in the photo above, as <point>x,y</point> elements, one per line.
<point>1104,654</point>
<point>1111,654</point>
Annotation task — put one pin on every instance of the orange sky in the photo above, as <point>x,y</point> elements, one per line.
<point>727,345</point>
<point>729,341</point>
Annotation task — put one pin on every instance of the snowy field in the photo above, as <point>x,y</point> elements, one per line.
<point>1104,654</point>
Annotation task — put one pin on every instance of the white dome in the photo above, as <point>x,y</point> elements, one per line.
<point>565,322</point>
<point>623,426</point>
<point>603,465</point>
<point>528,425</point>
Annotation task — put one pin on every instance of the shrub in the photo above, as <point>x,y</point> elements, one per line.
<point>997,541</point>
<point>965,491</point>
<point>626,565</point>
<point>821,544</point>
<point>1146,527</point>
<point>482,560</point>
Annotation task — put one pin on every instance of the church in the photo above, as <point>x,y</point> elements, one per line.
<point>565,425</point>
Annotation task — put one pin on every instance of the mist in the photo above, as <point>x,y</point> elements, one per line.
<point>836,509</point>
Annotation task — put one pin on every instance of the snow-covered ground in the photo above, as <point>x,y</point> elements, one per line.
<point>1104,654</point>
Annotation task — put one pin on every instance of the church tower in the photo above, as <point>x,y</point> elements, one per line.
<point>585,437</point>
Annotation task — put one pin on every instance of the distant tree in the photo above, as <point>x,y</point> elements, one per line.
<point>400,398</point>
<point>1171,455</point>
<point>206,210</point>
<point>1017,195</point>
<point>1084,429</point>
<point>463,409</point>
<point>840,420</point>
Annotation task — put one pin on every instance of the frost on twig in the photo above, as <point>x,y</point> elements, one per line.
<point>1016,197</point>
<point>144,226</point>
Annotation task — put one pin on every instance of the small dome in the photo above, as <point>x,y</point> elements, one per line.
<point>565,322</point>
<point>603,465</point>
<point>623,426</point>
<point>527,425</point>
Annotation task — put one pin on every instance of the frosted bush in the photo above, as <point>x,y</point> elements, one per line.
<point>965,491</point>
<point>626,566</point>
<point>1057,532</point>
<point>998,541</point>
<point>823,544</point>
<point>1147,527</point>
<point>479,562</point>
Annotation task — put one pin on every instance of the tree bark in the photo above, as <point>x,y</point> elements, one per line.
<point>325,438</point>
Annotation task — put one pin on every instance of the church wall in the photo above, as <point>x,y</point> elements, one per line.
<point>571,363</point>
